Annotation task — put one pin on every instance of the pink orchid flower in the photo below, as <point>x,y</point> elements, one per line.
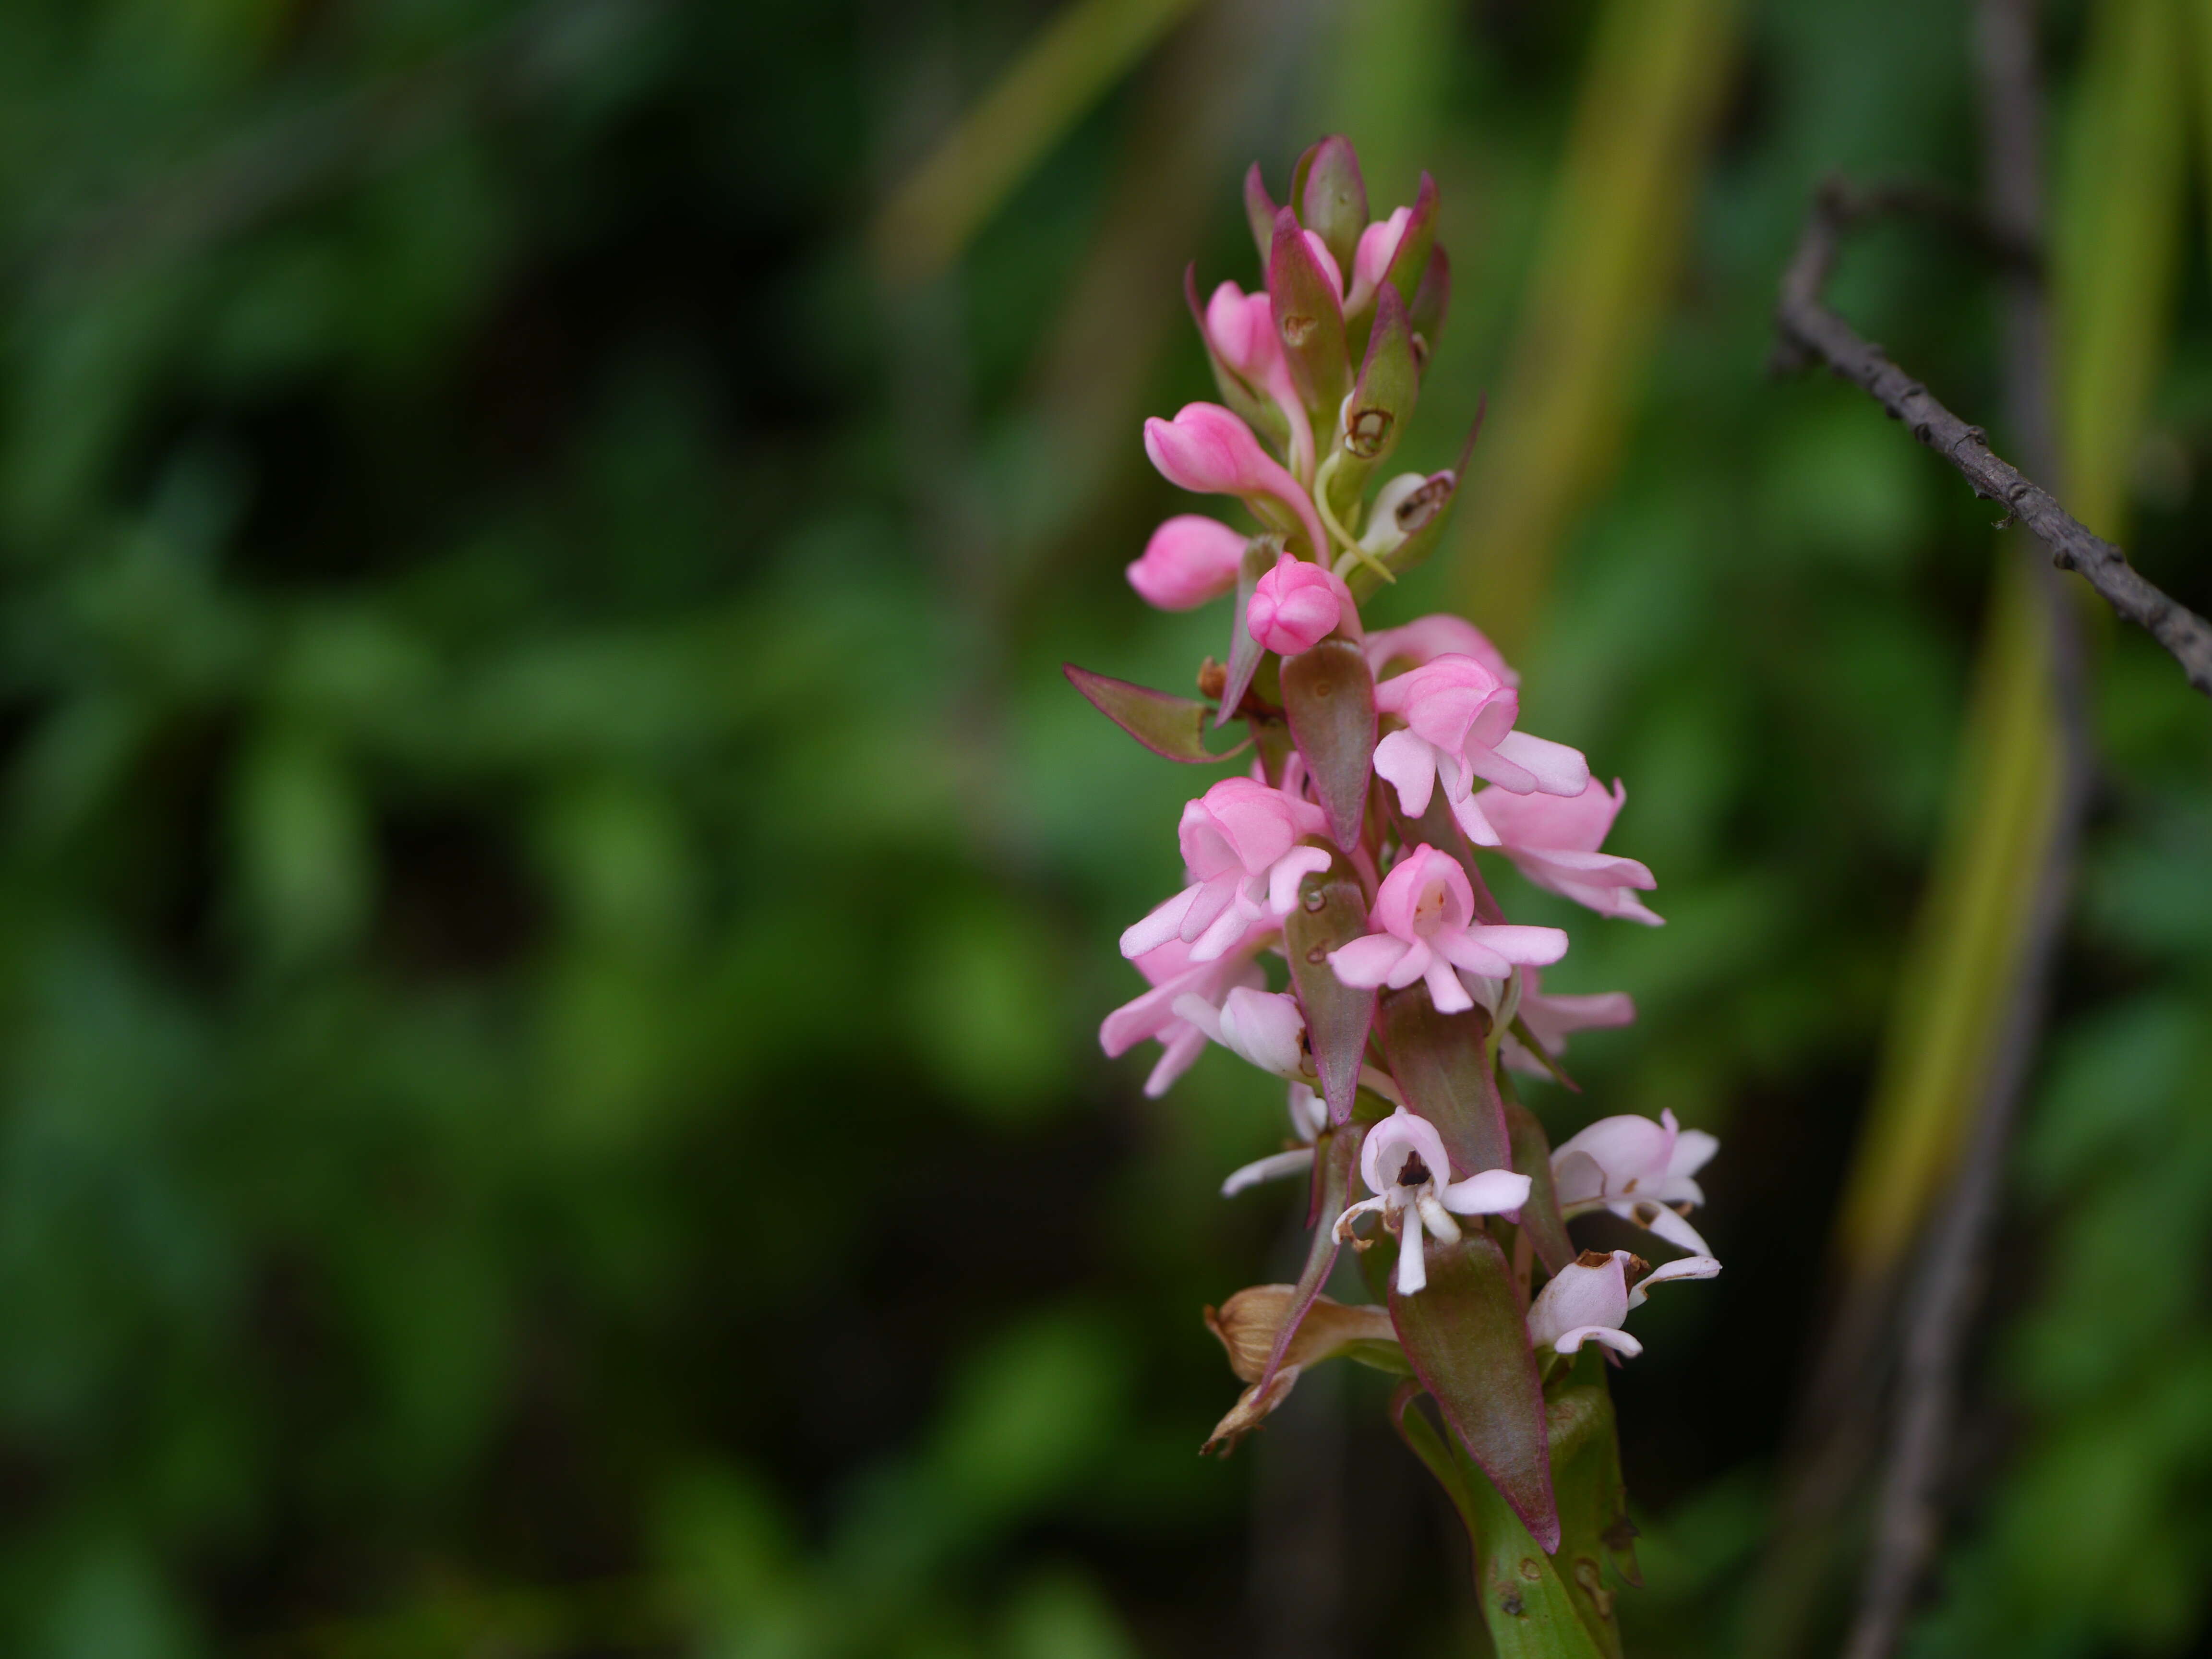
<point>1240,847</point>
<point>1403,1163</point>
<point>1426,638</point>
<point>1297,605</point>
<point>1189,560</point>
<point>1426,908</point>
<point>1175,978</point>
<point>1208,451</point>
<point>1459,718</point>
<point>1643,1172</point>
<point>1587,1300</point>
<point>1243,329</point>
<point>1553,841</point>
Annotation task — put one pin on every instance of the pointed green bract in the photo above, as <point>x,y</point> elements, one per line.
<point>1431,298</point>
<point>1260,212</point>
<point>1169,725</point>
<point>1332,197</point>
<point>1332,911</point>
<point>1442,1062</point>
<point>1308,320</point>
<point>1411,261</point>
<point>1328,696</point>
<point>1383,396</point>
<point>1466,1338</point>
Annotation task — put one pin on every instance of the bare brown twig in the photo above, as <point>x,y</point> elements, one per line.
<point>1810,330</point>
<point>1940,1310</point>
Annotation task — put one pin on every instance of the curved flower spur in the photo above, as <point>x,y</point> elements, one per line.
<point>1385,764</point>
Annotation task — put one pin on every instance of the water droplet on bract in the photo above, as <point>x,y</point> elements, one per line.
<point>1317,902</point>
<point>1297,329</point>
<point>1319,953</point>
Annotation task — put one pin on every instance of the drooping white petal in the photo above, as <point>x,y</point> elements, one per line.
<point>1275,1167</point>
<point>1413,1270</point>
<point>1689,1267</point>
<point>1657,1218</point>
<point>1436,1218</point>
<point>1606,1335</point>
<point>1694,1149</point>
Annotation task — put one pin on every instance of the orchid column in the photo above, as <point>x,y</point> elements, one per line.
<point>1337,929</point>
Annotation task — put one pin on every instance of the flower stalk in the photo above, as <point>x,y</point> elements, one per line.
<point>1385,765</point>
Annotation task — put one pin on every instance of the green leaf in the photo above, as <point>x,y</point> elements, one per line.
<point>1466,1337</point>
<point>1442,1062</point>
<point>1328,695</point>
<point>1433,299</point>
<point>1173,726</point>
<point>1540,1216</point>
<point>1332,911</point>
<point>1411,261</point>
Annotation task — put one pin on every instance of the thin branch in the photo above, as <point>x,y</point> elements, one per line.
<point>1940,1311</point>
<point>1810,330</point>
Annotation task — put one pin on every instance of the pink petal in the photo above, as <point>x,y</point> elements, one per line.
<point>1449,996</point>
<point>1189,560</point>
<point>1366,962</point>
<point>1159,925</point>
<point>1558,769</point>
<point>1688,1266</point>
<point>1490,1191</point>
<point>1409,766</point>
<point>1619,1340</point>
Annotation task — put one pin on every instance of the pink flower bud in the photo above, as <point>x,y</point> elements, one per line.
<point>1207,450</point>
<point>1189,560</point>
<point>1296,606</point>
<point>1378,244</point>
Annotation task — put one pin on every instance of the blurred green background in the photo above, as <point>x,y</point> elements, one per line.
<point>553,903</point>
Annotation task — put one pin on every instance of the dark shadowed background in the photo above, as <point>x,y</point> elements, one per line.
<point>554,904</point>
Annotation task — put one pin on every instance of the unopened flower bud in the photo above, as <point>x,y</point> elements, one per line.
<point>1296,606</point>
<point>1331,196</point>
<point>1208,451</point>
<point>1189,560</point>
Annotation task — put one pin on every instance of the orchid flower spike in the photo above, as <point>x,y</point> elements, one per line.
<point>1459,718</point>
<point>1426,908</point>
<point>1176,979</point>
<point>1643,1171</point>
<point>1553,841</point>
<point>1241,848</point>
<point>1403,1163</point>
<point>1189,560</point>
<point>1587,1300</point>
<point>1207,450</point>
